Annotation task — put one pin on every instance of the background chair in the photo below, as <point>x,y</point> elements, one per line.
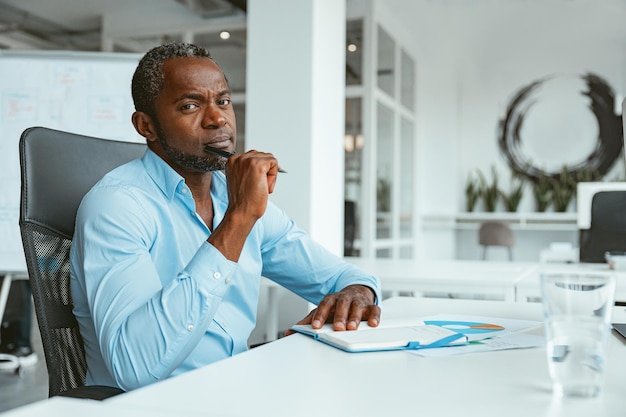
<point>495,233</point>
<point>349,228</point>
<point>5,289</point>
<point>608,227</point>
<point>58,168</point>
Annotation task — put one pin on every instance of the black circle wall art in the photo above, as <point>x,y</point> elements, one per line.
<point>607,148</point>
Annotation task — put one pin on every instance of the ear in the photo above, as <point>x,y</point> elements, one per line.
<point>144,125</point>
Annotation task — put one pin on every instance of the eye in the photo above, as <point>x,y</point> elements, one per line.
<point>224,101</point>
<point>188,106</point>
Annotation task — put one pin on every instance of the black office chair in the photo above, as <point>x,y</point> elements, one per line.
<point>58,168</point>
<point>496,233</point>
<point>608,227</point>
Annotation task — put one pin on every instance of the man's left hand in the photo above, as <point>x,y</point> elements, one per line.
<point>345,309</point>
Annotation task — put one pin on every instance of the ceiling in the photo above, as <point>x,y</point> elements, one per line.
<point>138,25</point>
<point>132,26</point>
<point>82,25</point>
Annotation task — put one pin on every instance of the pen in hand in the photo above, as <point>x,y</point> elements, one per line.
<point>226,154</point>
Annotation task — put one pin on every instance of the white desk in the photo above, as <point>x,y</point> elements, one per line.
<point>495,279</point>
<point>74,407</point>
<point>297,376</point>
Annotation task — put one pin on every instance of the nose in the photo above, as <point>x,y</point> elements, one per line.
<point>213,118</point>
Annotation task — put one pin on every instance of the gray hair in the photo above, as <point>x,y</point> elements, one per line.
<point>148,78</point>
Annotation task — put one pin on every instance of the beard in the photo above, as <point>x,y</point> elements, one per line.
<point>206,163</point>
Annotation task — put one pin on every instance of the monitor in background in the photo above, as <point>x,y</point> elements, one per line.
<point>608,227</point>
<point>600,206</point>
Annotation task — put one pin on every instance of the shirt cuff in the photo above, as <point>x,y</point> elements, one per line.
<point>212,270</point>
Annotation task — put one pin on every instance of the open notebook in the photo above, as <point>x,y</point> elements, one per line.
<point>392,334</point>
<point>413,333</point>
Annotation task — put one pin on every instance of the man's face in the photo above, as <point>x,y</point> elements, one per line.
<point>193,110</point>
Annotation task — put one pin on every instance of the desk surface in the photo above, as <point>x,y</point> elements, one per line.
<point>69,407</point>
<point>299,376</point>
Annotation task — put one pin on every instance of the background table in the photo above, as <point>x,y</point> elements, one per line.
<point>528,288</point>
<point>495,280</point>
<point>299,376</point>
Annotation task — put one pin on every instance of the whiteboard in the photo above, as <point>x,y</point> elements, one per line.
<point>81,92</point>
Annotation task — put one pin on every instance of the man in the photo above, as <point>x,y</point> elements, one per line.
<point>169,249</point>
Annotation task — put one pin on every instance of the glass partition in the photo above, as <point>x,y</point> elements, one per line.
<point>353,144</point>
<point>407,83</point>
<point>379,143</point>
<point>384,171</point>
<point>354,52</point>
<point>386,62</point>
<point>407,175</point>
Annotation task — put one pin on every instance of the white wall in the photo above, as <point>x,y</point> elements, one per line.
<point>295,109</point>
<point>472,57</point>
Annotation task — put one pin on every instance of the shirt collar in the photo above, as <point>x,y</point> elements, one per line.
<point>161,173</point>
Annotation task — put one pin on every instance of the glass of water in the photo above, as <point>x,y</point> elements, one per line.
<point>577,307</point>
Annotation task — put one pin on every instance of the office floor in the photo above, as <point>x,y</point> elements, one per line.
<point>31,386</point>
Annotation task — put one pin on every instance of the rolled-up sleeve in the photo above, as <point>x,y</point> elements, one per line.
<point>294,260</point>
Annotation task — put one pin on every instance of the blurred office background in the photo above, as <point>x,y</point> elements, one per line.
<point>441,97</point>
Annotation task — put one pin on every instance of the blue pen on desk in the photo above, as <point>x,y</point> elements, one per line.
<point>226,154</point>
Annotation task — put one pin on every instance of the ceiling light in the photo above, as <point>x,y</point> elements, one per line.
<point>352,47</point>
<point>225,34</point>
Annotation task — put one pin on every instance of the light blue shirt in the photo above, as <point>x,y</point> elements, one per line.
<point>154,299</point>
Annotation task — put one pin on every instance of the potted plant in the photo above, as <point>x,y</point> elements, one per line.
<point>472,193</point>
<point>489,191</point>
<point>542,191</point>
<point>586,175</point>
<point>563,190</point>
<point>383,195</point>
<point>514,196</point>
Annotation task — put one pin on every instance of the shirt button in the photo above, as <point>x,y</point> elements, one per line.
<point>228,280</point>
<point>190,327</point>
<point>217,275</point>
<point>184,191</point>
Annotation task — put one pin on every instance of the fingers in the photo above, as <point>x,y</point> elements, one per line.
<point>251,178</point>
<point>344,308</point>
<point>374,316</point>
<point>323,311</point>
<point>261,163</point>
<point>356,313</point>
<point>306,320</point>
<point>347,309</point>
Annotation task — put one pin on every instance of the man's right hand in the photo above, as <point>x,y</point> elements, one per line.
<point>251,178</point>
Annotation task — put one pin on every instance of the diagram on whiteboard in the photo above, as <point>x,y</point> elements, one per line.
<point>84,93</point>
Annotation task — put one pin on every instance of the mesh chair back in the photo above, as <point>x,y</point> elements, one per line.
<point>608,227</point>
<point>58,168</point>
